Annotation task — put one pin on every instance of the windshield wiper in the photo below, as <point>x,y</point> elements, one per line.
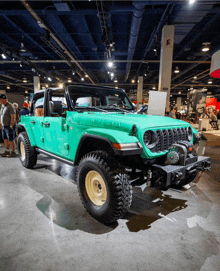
<point>99,109</point>
<point>114,107</point>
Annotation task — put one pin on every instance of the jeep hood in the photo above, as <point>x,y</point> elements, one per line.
<point>124,121</point>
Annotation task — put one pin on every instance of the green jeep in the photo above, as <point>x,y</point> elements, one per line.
<point>95,129</point>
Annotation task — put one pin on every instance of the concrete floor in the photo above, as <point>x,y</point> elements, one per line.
<point>43,225</point>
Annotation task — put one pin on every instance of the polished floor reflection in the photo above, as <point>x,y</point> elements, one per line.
<point>43,225</point>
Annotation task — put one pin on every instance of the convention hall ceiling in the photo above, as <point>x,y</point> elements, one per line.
<point>74,40</point>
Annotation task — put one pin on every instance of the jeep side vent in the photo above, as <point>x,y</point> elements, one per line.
<point>165,138</point>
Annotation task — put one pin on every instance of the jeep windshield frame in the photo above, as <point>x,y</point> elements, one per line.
<point>85,97</point>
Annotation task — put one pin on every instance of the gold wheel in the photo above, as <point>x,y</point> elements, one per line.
<point>22,151</point>
<point>96,188</point>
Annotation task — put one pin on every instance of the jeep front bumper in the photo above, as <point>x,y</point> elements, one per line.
<point>174,174</point>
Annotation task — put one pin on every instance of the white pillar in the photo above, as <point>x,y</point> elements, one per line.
<point>166,58</point>
<point>139,92</point>
<point>36,83</point>
<point>179,102</point>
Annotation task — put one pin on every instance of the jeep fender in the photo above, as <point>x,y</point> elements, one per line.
<point>23,128</point>
<point>91,142</point>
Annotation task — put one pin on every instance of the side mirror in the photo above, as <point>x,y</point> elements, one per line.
<point>55,107</point>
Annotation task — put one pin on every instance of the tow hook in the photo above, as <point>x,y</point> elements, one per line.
<point>178,176</point>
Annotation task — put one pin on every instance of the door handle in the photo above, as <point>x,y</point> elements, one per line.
<point>46,124</point>
<point>33,121</point>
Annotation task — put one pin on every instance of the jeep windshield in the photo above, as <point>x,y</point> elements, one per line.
<point>96,98</point>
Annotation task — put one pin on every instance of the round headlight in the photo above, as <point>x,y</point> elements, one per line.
<point>147,138</point>
<point>190,134</point>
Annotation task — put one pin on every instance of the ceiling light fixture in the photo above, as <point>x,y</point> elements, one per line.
<point>86,75</point>
<point>133,81</point>
<point>24,80</point>
<point>153,87</point>
<point>110,64</point>
<point>4,56</point>
<point>46,85</point>
<point>192,2</point>
<point>179,92</point>
<point>112,74</point>
<point>176,70</point>
<point>206,46</point>
<point>8,87</point>
<point>69,80</point>
<point>49,79</point>
<point>115,81</point>
<point>61,85</point>
<point>210,81</point>
<point>82,79</point>
<point>73,72</point>
<point>195,77</point>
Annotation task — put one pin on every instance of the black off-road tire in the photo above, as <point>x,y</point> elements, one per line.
<point>115,189</point>
<point>27,153</point>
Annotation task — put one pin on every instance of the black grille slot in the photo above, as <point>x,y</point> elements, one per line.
<point>165,138</point>
<point>179,137</point>
<point>158,146</point>
<point>170,137</point>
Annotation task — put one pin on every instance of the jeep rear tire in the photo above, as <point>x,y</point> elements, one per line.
<point>27,154</point>
<point>103,187</point>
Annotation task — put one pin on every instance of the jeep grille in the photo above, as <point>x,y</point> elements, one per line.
<point>165,138</point>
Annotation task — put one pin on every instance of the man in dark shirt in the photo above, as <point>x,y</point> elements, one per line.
<point>8,126</point>
<point>25,110</point>
<point>218,114</point>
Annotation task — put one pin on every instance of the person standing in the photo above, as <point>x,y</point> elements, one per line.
<point>172,113</point>
<point>8,121</point>
<point>218,114</point>
<point>25,110</point>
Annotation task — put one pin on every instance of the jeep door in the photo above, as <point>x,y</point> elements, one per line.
<point>56,132</point>
<point>36,123</point>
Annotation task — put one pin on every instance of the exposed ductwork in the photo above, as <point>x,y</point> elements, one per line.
<point>135,27</point>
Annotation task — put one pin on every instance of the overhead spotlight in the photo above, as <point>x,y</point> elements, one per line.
<point>206,46</point>
<point>49,79</point>
<point>8,87</point>
<point>176,70</point>
<point>33,70</point>
<point>179,92</point>
<point>153,87</point>
<point>4,56</point>
<point>171,95</point>
<point>145,74</point>
<point>133,81</point>
<point>86,75</point>
<point>192,2</point>
<point>110,64</point>
<point>195,77</point>
<point>115,81</point>
<point>155,50</point>
<point>116,87</point>
<point>24,80</point>
<point>210,81</point>
<point>69,80</point>
<point>73,72</point>
<point>108,72</point>
<point>82,79</point>
<point>22,49</point>
<point>46,85</point>
<point>112,74</point>
<point>61,85</point>
<point>13,59</point>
